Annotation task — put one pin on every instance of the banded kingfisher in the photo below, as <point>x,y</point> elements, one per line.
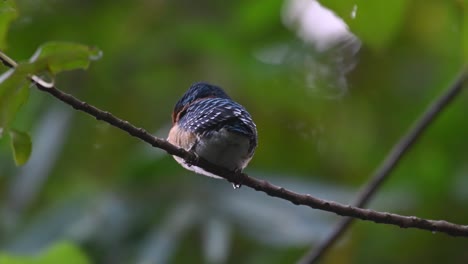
<point>207,122</point>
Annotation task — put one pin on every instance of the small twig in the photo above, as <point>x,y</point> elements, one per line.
<point>7,61</point>
<point>259,185</point>
<point>390,163</point>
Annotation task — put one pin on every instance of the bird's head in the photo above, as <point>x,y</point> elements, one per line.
<point>197,91</point>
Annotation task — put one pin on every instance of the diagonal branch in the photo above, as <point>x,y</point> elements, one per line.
<point>259,185</point>
<point>390,162</point>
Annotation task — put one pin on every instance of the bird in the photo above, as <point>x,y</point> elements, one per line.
<point>207,122</point>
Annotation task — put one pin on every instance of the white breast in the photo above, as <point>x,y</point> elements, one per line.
<point>225,149</point>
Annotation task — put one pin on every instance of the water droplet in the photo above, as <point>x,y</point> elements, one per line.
<point>353,12</point>
<point>236,186</point>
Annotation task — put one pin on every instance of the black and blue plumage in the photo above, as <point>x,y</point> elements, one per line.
<point>209,123</point>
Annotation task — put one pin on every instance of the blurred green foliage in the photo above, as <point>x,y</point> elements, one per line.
<point>58,253</point>
<point>326,117</point>
<point>8,13</point>
<point>56,57</point>
<point>21,146</point>
<point>52,57</point>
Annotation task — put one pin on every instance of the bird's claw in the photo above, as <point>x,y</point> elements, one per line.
<point>192,159</point>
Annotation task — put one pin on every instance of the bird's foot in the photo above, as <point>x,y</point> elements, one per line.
<point>192,160</point>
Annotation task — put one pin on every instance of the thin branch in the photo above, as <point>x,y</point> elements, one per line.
<point>259,185</point>
<point>7,61</point>
<point>390,162</point>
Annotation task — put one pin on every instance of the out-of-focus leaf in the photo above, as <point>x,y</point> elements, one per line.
<point>14,92</point>
<point>21,146</point>
<point>62,252</point>
<point>8,13</point>
<point>374,22</point>
<point>64,56</point>
<point>162,243</point>
<point>216,240</point>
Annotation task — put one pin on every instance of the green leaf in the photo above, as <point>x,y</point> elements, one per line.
<point>62,252</point>
<point>14,92</point>
<point>63,56</point>
<point>8,13</point>
<point>21,146</point>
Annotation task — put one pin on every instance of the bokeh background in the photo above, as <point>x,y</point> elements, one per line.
<point>331,85</point>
